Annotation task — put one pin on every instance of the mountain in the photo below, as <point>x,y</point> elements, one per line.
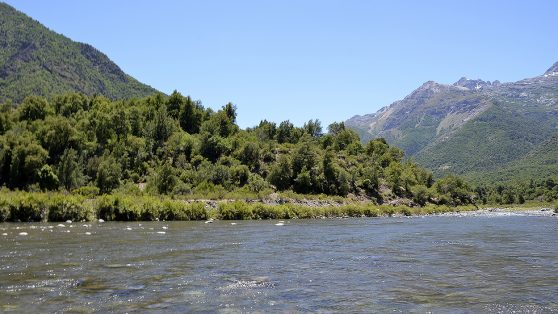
<point>541,162</point>
<point>36,60</point>
<point>475,128</point>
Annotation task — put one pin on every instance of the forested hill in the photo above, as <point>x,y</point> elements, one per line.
<point>37,61</point>
<point>176,146</point>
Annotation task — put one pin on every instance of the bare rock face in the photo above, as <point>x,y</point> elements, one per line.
<point>553,69</point>
<point>472,84</point>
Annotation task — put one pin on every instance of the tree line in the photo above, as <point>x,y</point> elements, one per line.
<point>174,145</point>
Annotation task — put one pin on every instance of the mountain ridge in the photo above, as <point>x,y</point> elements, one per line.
<point>36,60</point>
<point>470,126</point>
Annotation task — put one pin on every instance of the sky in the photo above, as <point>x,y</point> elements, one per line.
<point>302,59</point>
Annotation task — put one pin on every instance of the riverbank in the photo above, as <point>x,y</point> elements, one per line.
<point>57,207</point>
<point>505,211</point>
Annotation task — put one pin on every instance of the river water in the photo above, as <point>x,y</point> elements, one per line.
<point>441,264</point>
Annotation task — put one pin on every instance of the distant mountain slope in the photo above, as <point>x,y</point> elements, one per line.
<point>539,163</point>
<point>36,60</point>
<point>472,127</point>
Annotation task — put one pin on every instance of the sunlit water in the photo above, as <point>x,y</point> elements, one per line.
<point>440,264</point>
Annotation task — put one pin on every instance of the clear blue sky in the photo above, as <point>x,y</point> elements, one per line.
<point>300,60</point>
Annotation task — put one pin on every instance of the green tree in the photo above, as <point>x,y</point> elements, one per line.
<point>370,180</point>
<point>343,183</point>
<point>27,158</point>
<point>335,128</point>
<point>108,174</point>
<point>303,182</point>
<point>47,179</point>
<point>452,189</point>
<point>304,157</point>
<point>104,130</point>
<point>240,175</point>
<point>230,112</point>
<point>180,144</point>
<point>190,118</point>
<point>120,123</point>
<point>286,133</point>
<point>33,108</point>
<point>219,124</point>
<point>408,177</point>
<point>212,146</point>
<point>313,128</point>
<point>344,138</point>
<point>250,155</point>
<point>5,122</point>
<point>165,178</point>
<point>393,177</point>
<point>281,173</point>
<point>266,130</point>
<point>376,148</point>
<point>69,104</point>
<point>420,194</point>
<point>329,173</point>
<point>159,129</point>
<point>69,172</point>
<point>57,134</point>
<point>174,104</point>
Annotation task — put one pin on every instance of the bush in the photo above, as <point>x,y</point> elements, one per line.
<point>4,210</point>
<point>67,207</point>
<point>119,208</point>
<point>25,206</point>
<point>178,210</point>
<point>88,191</point>
<point>235,211</point>
<point>28,207</point>
<point>262,211</point>
<point>125,208</point>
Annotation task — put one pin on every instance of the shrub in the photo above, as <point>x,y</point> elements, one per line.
<point>88,191</point>
<point>29,207</point>
<point>67,207</point>
<point>4,210</point>
<point>235,211</point>
<point>178,210</point>
<point>120,208</point>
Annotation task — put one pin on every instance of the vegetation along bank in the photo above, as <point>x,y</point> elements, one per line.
<point>80,158</point>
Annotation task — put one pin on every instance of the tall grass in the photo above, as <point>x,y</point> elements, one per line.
<point>128,208</point>
<point>26,207</point>
<point>35,206</point>
<point>242,211</point>
<point>23,206</point>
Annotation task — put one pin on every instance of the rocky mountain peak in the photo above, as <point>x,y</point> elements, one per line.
<point>472,84</point>
<point>552,70</point>
<point>428,87</point>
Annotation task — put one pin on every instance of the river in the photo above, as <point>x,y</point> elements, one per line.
<point>441,264</point>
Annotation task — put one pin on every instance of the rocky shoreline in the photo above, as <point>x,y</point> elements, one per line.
<point>501,212</point>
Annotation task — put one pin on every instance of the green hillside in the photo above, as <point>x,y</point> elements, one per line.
<point>487,132</point>
<point>37,61</point>
<point>541,163</point>
<point>501,134</point>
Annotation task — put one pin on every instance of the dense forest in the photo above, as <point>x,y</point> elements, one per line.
<point>172,145</point>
